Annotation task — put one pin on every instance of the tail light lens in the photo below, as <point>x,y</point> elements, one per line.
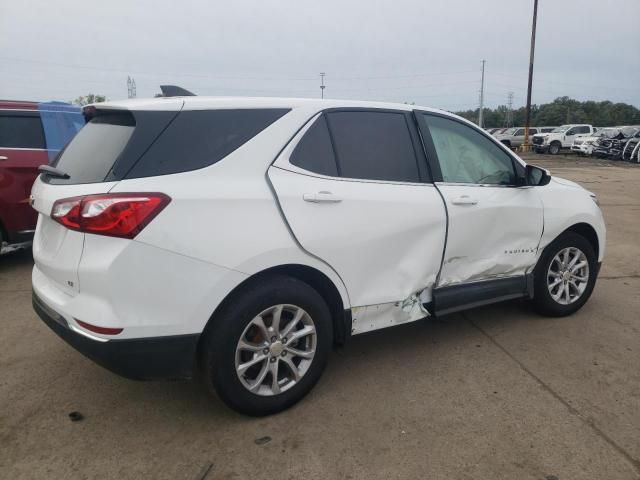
<point>114,214</point>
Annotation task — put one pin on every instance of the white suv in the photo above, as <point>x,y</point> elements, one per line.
<point>244,237</point>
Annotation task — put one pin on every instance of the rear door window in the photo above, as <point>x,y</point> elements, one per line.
<point>21,130</point>
<point>314,152</point>
<point>373,145</point>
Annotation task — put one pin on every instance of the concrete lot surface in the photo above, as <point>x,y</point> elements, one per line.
<point>497,392</point>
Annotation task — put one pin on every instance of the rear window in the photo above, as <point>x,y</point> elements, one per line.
<point>93,151</point>
<point>116,145</point>
<point>21,130</point>
<point>199,138</point>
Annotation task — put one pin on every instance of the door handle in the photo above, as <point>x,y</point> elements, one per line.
<point>464,200</point>
<point>321,197</point>
<point>2,157</point>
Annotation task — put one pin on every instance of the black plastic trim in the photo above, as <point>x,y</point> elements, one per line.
<point>153,358</point>
<point>469,295</point>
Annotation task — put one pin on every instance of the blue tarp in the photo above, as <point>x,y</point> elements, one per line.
<point>61,121</point>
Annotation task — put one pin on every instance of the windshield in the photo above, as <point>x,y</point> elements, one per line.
<point>561,129</point>
<point>508,131</point>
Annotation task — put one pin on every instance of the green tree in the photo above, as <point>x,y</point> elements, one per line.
<point>91,98</point>
<point>561,111</point>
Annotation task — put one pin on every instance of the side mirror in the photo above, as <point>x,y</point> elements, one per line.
<point>537,176</point>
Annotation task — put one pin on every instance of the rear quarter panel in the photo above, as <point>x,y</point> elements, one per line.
<point>226,214</point>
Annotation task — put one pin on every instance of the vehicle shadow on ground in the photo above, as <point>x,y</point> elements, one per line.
<point>367,362</point>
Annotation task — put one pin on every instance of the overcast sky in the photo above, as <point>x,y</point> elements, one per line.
<point>422,51</point>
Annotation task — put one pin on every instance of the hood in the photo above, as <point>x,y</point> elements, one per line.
<point>541,135</point>
<point>567,183</point>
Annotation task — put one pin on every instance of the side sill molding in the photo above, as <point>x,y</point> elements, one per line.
<point>469,295</point>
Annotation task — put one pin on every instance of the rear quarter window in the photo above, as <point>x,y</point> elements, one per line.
<point>200,138</point>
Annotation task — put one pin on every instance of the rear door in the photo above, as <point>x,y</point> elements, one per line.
<point>495,225</point>
<point>354,188</point>
<point>22,151</point>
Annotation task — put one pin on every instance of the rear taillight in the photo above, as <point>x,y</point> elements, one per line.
<point>113,214</point>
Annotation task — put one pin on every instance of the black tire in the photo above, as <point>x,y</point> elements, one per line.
<point>554,148</point>
<point>221,339</point>
<point>542,300</point>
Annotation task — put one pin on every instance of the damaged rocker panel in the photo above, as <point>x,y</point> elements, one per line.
<point>382,315</point>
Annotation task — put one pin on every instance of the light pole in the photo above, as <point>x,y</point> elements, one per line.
<point>322,87</point>
<point>480,115</point>
<point>527,114</point>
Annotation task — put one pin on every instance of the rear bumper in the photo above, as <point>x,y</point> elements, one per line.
<point>153,358</point>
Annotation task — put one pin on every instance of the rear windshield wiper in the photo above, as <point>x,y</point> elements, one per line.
<point>53,172</point>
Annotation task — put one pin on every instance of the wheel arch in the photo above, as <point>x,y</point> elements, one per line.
<point>313,277</point>
<point>588,232</point>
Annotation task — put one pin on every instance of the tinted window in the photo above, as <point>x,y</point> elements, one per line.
<point>93,151</point>
<point>373,146</point>
<point>314,152</point>
<point>583,130</point>
<point>199,138</point>
<point>519,132</point>
<point>467,156</point>
<point>21,131</point>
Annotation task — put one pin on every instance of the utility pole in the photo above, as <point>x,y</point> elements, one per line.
<point>527,114</point>
<point>131,87</point>
<point>322,87</point>
<point>481,96</point>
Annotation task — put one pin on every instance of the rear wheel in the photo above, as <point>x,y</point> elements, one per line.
<point>554,148</point>
<point>268,348</point>
<point>565,275</point>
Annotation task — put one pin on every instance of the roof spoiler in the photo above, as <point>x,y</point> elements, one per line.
<point>175,91</point>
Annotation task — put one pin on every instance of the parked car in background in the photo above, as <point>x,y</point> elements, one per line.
<point>631,151</point>
<point>560,137</point>
<point>585,145</point>
<point>514,137</point>
<point>31,134</point>
<point>142,264</point>
<point>613,147</point>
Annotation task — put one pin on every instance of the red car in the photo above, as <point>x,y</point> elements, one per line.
<point>31,134</point>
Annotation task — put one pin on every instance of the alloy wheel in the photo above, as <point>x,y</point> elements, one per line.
<point>275,350</point>
<point>568,275</point>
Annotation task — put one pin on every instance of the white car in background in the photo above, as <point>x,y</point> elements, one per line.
<point>561,137</point>
<point>585,145</point>
<point>243,237</point>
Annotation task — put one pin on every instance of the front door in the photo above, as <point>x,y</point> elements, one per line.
<point>494,225</point>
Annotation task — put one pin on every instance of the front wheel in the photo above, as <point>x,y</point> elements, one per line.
<point>269,346</point>
<point>565,275</point>
<point>554,148</point>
